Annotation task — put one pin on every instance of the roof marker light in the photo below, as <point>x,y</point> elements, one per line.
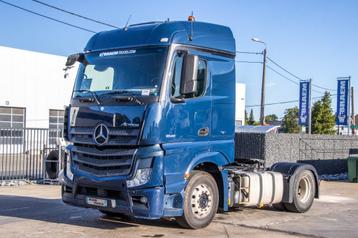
<point>191,17</point>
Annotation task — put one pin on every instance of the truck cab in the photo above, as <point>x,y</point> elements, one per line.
<point>151,123</point>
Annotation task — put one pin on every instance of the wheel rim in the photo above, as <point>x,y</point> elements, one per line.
<point>304,189</point>
<point>201,201</point>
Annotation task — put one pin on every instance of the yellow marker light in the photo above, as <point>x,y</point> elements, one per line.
<point>191,18</point>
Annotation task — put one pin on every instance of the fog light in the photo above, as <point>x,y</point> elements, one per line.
<point>141,177</point>
<point>143,200</point>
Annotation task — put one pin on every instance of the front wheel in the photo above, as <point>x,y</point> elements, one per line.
<point>201,201</point>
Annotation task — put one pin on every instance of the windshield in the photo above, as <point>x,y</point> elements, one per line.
<point>132,71</point>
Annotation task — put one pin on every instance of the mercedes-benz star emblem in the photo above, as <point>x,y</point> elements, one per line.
<point>101,134</point>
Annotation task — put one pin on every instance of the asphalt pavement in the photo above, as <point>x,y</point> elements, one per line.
<point>37,211</point>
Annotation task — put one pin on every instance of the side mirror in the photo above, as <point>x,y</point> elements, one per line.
<point>189,80</point>
<point>72,59</point>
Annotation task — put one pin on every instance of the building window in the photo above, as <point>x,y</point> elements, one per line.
<point>12,123</point>
<point>238,122</point>
<point>56,118</point>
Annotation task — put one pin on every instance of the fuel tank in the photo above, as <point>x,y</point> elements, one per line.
<point>257,188</point>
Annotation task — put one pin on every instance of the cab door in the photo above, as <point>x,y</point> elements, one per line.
<point>189,115</point>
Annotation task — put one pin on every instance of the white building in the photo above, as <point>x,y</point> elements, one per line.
<point>33,89</point>
<point>240,104</point>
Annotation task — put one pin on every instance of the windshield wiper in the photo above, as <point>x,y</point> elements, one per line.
<point>94,95</point>
<point>126,98</point>
<point>135,99</point>
<point>117,92</point>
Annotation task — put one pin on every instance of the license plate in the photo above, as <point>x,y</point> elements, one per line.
<point>96,202</point>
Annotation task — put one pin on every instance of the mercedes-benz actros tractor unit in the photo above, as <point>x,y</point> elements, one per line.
<point>150,129</point>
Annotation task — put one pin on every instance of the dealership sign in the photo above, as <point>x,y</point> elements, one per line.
<point>342,116</point>
<point>305,102</point>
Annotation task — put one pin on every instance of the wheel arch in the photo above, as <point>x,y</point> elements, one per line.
<point>211,163</point>
<point>290,171</point>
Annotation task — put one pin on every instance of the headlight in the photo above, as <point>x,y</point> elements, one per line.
<point>141,177</point>
<point>69,173</point>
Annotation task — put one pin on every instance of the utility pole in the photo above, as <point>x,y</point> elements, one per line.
<point>353,116</point>
<point>349,121</point>
<point>263,85</point>
<point>310,108</point>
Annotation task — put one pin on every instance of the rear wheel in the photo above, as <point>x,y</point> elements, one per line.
<point>201,201</point>
<point>279,206</point>
<point>303,193</point>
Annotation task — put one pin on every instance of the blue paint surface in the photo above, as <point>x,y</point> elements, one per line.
<point>164,134</point>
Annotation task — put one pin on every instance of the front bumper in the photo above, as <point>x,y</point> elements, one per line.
<point>120,199</point>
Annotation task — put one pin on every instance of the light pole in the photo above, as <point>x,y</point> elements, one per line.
<point>263,83</point>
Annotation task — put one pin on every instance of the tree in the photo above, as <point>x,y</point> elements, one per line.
<point>251,120</point>
<point>323,118</point>
<point>246,118</point>
<point>271,118</point>
<point>290,120</point>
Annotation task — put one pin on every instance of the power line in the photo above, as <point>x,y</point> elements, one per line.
<point>283,76</point>
<point>284,69</point>
<point>47,17</point>
<point>249,52</point>
<point>273,103</point>
<point>249,62</point>
<point>75,14</point>
<point>293,75</point>
<point>291,80</point>
<point>282,102</point>
<point>272,61</point>
<point>327,89</point>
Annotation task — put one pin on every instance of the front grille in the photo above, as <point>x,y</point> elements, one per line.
<point>117,136</point>
<point>104,162</point>
<point>112,159</point>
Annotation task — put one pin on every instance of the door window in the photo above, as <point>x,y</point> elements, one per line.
<point>176,77</point>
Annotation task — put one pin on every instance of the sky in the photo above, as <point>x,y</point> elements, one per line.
<point>312,39</point>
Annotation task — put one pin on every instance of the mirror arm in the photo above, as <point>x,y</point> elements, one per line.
<point>72,59</point>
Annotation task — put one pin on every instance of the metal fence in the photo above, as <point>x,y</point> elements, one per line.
<point>311,148</point>
<point>23,153</point>
<point>327,153</point>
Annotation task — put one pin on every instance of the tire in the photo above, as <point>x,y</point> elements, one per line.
<point>279,206</point>
<point>304,189</point>
<point>51,164</point>
<point>201,201</point>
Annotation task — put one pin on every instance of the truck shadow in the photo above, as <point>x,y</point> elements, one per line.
<point>55,211</point>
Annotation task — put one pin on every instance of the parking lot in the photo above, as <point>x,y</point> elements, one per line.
<point>37,211</point>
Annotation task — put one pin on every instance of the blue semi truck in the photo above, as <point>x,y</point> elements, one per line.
<point>150,129</point>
